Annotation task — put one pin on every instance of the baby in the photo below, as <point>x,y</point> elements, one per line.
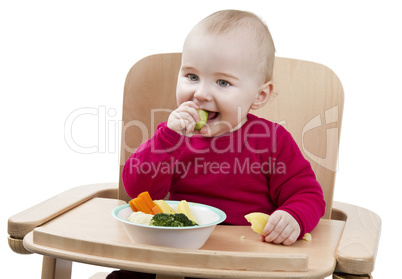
<point>237,162</point>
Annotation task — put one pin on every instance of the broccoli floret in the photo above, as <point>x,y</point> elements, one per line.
<point>172,220</point>
<point>183,219</point>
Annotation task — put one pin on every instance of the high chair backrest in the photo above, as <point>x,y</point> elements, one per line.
<point>307,101</point>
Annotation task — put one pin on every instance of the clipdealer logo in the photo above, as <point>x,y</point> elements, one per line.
<point>108,130</point>
<point>109,135</point>
<point>330,161</point>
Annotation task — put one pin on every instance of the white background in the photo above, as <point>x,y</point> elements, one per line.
<point>60,56</point>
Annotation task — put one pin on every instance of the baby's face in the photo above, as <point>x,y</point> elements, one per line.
<point>219,73</point>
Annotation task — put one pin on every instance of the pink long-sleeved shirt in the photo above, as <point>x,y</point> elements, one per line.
<point>257,168</point>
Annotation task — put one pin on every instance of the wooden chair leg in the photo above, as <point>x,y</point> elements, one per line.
<point>53,268</point>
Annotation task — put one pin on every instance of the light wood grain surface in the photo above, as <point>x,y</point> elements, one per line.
<point>22,223</point>
<point>357,249</point>
<point>89,233</point>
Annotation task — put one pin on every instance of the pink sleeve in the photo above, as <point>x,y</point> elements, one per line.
<point>150,168</point>
<point>294,187</point>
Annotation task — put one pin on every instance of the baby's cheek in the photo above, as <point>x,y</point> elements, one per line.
<point>184,93</point>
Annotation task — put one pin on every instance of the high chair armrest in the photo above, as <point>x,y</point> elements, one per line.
<point>24,222</point>
<point>357,248</point>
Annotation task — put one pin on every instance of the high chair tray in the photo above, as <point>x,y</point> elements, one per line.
<point>88,233</point>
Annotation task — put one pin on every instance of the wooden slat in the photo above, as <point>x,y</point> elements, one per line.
<point>53,268</point>
<point>24,222</point>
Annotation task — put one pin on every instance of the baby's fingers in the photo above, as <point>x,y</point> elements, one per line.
<point>271,225</point>
<point>291,238</point>
<point>281,228</point>
<point>190,108</point>
<point>275,235</point>
<point>179,120</point>
<point>286,236</point>
<point>182,119</point>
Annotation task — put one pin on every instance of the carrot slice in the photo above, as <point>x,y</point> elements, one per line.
<point>156,210</point>
<point>136,204</point>
<point>147,198</point>
<point>131,203</point>
<point>143,205</point>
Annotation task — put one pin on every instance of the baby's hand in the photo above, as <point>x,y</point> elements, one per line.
<point>183,119</point>
<point>281,228</point>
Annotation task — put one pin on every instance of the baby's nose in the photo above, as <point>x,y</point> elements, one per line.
<point>203,94</point>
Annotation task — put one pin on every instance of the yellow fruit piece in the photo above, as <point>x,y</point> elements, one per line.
<point>307,237</point>
<point>164,207</point>
<point>203,114</point>
<point>258,221</point>
<point>184,208</point>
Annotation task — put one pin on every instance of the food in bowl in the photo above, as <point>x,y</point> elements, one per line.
<point>159,213</point>
<point>191,237</point>
<point>161,219</point>
<point>172,220</point>
<point>140,218</point>
<point>164,207</point>
<point>143,202</point>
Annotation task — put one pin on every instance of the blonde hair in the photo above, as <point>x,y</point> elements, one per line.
<point>232,20</point>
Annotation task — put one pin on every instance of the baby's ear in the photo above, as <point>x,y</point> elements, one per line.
<point>263,95</point>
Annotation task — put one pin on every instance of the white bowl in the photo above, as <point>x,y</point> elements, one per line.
<point>192,237</point>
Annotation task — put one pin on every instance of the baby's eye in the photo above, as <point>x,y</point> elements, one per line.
<point>223,83</point>
<point>192,77</point>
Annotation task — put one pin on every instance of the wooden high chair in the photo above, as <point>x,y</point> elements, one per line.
<point>308,101</point>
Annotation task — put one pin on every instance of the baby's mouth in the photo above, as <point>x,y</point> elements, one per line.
<point>212,115</point>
